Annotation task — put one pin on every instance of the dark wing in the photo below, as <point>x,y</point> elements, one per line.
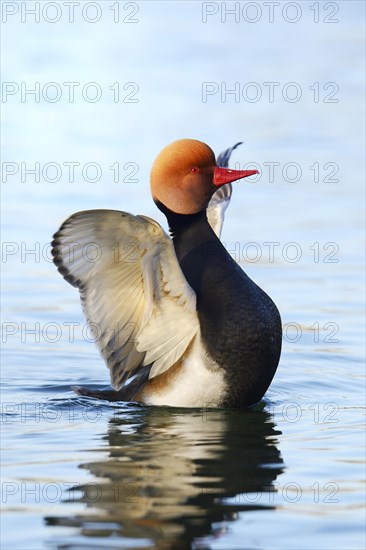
<point>221,198</point>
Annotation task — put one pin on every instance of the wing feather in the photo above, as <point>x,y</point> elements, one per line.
<point>133,292</point>
<point>220,200</point>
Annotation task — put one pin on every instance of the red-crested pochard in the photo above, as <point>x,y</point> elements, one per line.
<point>177,321</point>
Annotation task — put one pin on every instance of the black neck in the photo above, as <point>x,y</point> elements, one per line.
<point>179,222</point>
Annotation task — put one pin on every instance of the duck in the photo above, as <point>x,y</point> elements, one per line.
<point>177,320</point>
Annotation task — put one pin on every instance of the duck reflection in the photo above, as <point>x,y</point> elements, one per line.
<point>174,478</point>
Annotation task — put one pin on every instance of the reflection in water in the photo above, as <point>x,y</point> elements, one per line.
<point>173,476</point>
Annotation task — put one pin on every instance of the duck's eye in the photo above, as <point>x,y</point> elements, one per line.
<point>195,169</point>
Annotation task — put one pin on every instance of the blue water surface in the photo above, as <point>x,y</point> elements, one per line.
<point>84,474</point>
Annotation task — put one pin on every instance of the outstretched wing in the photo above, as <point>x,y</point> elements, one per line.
<point>134,295</point>
<point>221,198</point>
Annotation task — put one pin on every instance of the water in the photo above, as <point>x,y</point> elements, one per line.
<point>287,475</point>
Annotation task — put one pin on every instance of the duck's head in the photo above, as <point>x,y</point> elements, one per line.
<point>184,176</point>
